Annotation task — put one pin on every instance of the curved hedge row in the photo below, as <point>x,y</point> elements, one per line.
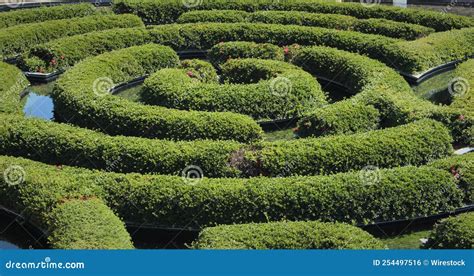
<point>86,224</point>
<point>411,144</point>
<point>17,17</point>
<point>76,101</point>
<point>375,85</point>
<point>12,84</point>
<point>262,89</point>
<point>286,235</point>
<point>169,201</point>
<point>168,11</point>
<point>453,233</point>
<point>17,39</point>
<point>402,55</point>
<point>463,98</point>
<point>331,21</point>
<point>222,52</point>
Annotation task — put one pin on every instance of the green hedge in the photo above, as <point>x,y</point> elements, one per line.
<point>17,39</point>
<point>411,144</point>
<point>286,235</point>
<point>462,168</point>
<point>17,17</point>
<point>168,11</point>
<point>376,85</point>
<point>332,21</point>
<point>224,51</point>
<point>464,98</point>
<point>262,89</point>
<point>86,224</point>
<point>453,233</point>
<point>12,83</point>
<point>169,201</point>
<point>77,103</point>
<point>55,143</point>
<point>436,49</point>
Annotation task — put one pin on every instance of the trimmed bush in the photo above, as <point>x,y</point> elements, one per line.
<point>12,83</point>
<point>169,201</point>
<point>345,117</point>
<point>286,235</point>
<point>17,17</point>
<point>463,87</point>
<point>462,168</point>
<point>411,144</point>
<point>398,54</point>
<point>332,21</point>
<point>76,101</point>
<point>262,89</point>
<point>55,143</point>
<point>87,224</point>
<point>453,233</point>
<point>17,39</point>
<point>224,51</point>
<point>200,69</point>
<point>168,11</point>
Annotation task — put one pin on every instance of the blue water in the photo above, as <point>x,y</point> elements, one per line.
<point>7,245</point>
<point>39,106</point>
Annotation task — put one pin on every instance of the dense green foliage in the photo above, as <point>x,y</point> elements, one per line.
<point>463,97</point>
<point>86,224</point>
<point>168,11</point>
<point>16,39</point>
<point>410,144</point>
<point>286,235</point>
<point>169,201</point>
<point>77,101</point>
<point>462,168</point>
<point>16,17</point>
<point>262,89</point>
<point>224,51</point>
<point>11,85</point>
<point>453,233</point>
<point>332,21</point>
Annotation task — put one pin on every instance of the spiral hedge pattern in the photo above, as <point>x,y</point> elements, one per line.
<point>108,161</point>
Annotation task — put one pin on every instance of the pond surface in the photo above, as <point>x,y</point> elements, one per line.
<point>14,234</point>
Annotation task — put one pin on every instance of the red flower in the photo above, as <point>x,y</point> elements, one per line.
<point>286,50</point>
<point>296,129</point>
<point>461,117</point>
<point>190,74</point>
<point>455,172</point>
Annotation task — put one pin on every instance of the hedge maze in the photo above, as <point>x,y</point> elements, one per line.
<point>191,153</point>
